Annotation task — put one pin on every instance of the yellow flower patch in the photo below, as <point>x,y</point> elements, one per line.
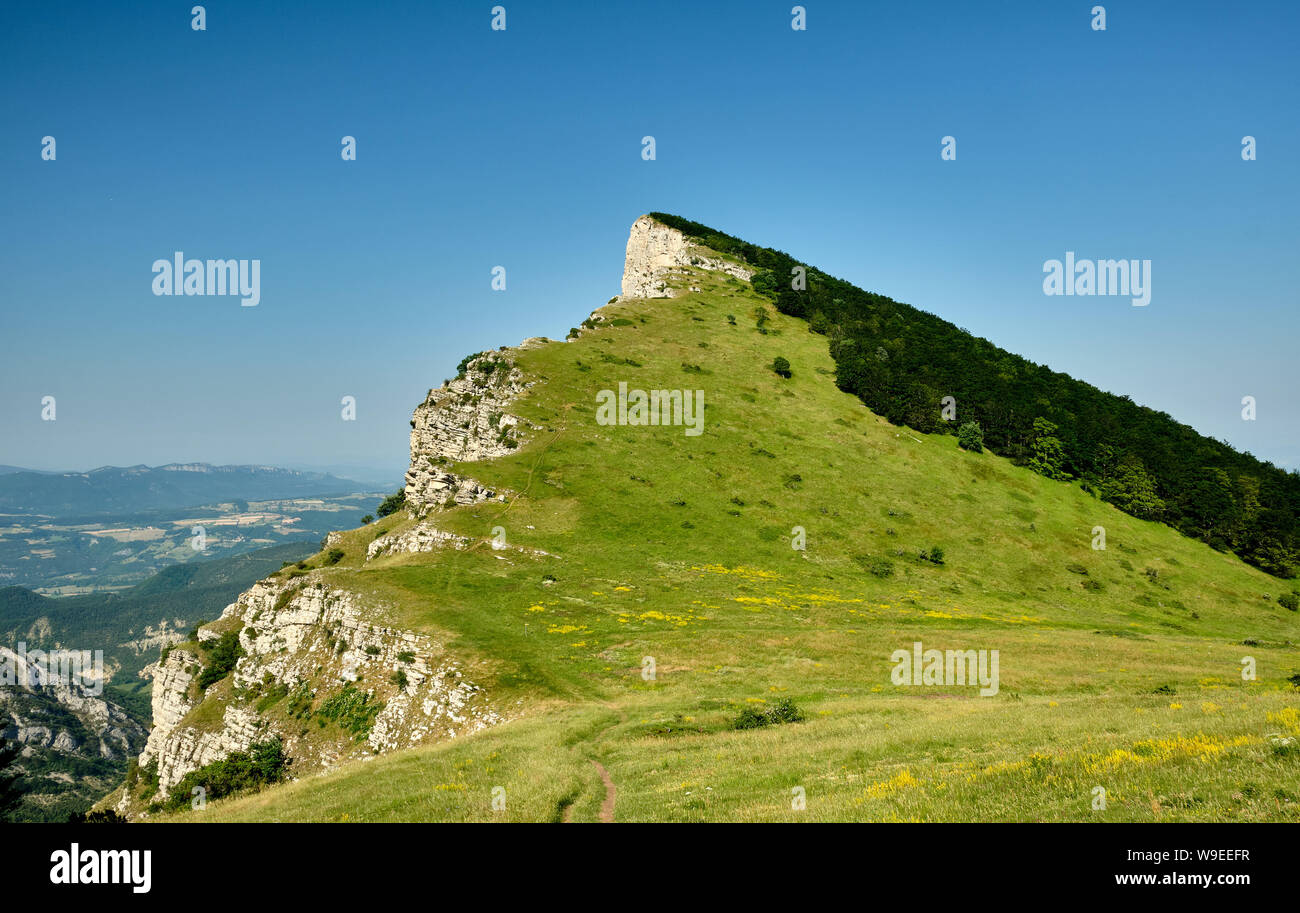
<point>751,573</point>
<point>567,629</point>
<point>900,781</point>
<point>1288,718</point>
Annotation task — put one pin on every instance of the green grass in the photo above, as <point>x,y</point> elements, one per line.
<point>678,548</point>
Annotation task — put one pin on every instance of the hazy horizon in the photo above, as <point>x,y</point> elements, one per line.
<point>360,472</point>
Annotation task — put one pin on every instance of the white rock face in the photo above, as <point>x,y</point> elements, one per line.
<point>316,640</point>
<point>424,537</point>
<point>167,632</point>
<point>655,251</point>
<point>188,749</point>
<point>179,749</point>
<point>420,538</point>
<point>464,420</point>
<point>171,682</point>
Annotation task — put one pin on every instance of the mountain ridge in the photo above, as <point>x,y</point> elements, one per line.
<point>911,366</point>
<point>169,486</point>
<point>626,594</point>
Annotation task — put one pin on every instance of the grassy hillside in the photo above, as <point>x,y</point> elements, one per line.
<point>903,363</point>
<point>1119,668</point>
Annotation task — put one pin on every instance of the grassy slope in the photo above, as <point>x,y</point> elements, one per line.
<point>679,548</point>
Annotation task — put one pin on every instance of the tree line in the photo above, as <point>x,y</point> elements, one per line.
<point>902,362</point>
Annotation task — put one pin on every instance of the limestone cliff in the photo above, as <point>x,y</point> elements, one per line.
<point>657,253</point>
<point>463,421</point>
<point>319,669</point>
<point>303,643</point>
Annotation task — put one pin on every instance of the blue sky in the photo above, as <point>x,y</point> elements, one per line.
<point>522,148</point>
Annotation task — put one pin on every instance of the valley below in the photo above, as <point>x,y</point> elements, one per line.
<point>76,533</point>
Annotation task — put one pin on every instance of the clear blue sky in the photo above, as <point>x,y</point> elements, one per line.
<point>522,148</point>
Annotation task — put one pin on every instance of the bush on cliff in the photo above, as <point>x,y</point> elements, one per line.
<point>222,656</point>
<point>392,504</point>
<point>263,764</point>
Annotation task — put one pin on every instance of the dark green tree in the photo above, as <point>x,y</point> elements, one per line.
<point>764,283</point>
<point>1048,453</point>
<point>970,436</point>
<point>222,656</point>
<point>1208,505</point>
<point>1130,488</point>
<point>392,504</point>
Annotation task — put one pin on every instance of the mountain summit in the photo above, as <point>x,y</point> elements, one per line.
<point>805,611</point>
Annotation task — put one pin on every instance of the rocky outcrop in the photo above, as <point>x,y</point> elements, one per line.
<point>656,252</point>
<point>188,749</point>
<point>171,697</point>
<point>305,643</point>
<point>312,647</point>
<point>153,639</point>
<point>62,723</point>
<point>463,421</point>
<point>424,537</point>
<point>420,538</point>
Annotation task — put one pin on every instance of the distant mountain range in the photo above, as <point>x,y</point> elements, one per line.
<point>113,490</point>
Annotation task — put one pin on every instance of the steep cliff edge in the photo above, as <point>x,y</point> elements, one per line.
<point>465,420</point>
<point>656,254</point>
<point>318,672</point>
